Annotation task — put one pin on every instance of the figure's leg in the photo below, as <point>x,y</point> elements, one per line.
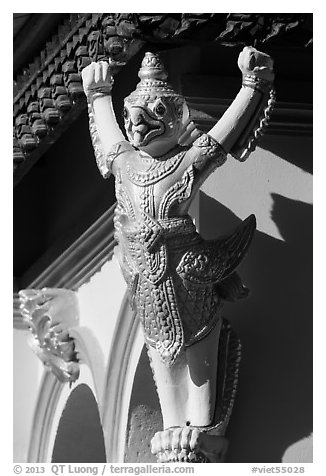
<point>172,388</point>
<point>187,389</point>
<point>202,362</point>
<point>187,393</point>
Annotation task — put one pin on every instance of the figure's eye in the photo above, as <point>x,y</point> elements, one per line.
<point>160,109</point>
<point>125,113</point>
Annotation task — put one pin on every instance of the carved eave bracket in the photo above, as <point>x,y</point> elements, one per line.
<point>50,315</point>
<point>54,333</point>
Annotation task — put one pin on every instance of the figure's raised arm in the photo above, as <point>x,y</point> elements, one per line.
<point>242,122</point>
<point>105,131</point>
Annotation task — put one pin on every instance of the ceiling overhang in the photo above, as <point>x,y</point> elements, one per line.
<point>48,93</point>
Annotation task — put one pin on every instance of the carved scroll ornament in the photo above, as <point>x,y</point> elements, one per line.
<point>178,281</point>
<point>49,315</point>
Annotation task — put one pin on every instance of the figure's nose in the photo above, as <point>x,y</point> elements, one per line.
<point>136,116</point>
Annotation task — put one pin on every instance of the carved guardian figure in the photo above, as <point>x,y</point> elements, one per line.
<point>177,281</point>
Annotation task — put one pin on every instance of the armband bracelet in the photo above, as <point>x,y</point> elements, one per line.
<point>99,92</point>
<point>254,82</point>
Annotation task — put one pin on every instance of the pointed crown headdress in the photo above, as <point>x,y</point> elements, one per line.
<point>153,81</point>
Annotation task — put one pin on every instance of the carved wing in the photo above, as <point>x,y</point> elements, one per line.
<point>235,247</point>
<point>232,288</point>
<point>213,261</point>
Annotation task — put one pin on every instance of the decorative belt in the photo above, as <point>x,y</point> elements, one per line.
<point>177,225</point>
<point>151,231</point>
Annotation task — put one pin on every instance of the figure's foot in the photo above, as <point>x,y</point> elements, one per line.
<point>189,445</point>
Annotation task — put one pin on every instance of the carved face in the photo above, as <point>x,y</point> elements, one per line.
<point>153,121</point>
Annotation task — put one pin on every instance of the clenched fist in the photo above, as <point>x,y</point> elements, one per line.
<point>253,62</point>
<point>97,78</point>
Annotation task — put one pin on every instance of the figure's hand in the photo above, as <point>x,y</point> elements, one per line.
<point>253,62</point>
<point>97,78</point>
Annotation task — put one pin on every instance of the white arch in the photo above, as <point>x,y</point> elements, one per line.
<point>126,348</point>
<point>53,396</point>
<point>49,394</point>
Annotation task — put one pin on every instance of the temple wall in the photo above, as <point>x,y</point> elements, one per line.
<point>27,371</point>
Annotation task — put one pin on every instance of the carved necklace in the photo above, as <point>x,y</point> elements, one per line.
<point>147,170</point>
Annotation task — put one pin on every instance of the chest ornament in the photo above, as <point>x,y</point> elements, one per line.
<point>144,171</point>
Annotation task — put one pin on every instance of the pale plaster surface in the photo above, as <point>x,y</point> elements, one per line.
<point>27,373</point>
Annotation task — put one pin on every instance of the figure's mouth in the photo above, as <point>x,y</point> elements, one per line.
<point>143,136</point>
<point>138,134</point>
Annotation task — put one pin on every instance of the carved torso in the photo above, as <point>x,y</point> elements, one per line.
<point>171,272</point>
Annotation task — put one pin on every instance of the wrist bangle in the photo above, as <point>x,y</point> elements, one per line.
<point>254,82</point>
<point>99,92</point>
<point>91,98</point>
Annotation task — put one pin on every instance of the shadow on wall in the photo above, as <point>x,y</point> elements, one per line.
<point>145,417</point>
<point>299,155</point>
<point>79,437</point>
<point>273,407</point>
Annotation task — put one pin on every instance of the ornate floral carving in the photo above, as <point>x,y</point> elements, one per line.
<point>213,261</point>
<point>147,171</point>
<point>49,315</point>
<point>209,146</point>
